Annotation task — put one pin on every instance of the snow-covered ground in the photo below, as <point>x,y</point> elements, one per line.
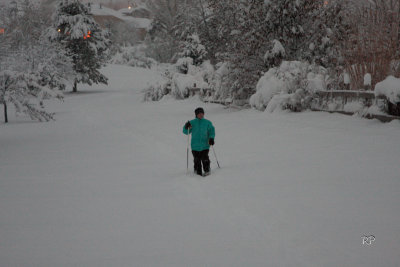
<point>106,185</point>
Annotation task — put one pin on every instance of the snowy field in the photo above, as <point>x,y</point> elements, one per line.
<point>106,185</point>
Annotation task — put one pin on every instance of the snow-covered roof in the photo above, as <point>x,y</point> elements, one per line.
<point>125,10</point>
<point>105,11</point>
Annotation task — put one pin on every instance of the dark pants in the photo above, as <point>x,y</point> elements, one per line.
<point>199,158</point>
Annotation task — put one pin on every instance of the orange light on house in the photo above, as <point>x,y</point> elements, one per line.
<point>59,30</point>
<point>2,30</point>
<point>87,35</point>
<point>326,3</point>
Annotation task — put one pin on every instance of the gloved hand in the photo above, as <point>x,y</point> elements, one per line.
<point>211,141</point>
<point>188,125</point>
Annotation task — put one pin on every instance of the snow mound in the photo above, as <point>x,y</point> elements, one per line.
<point>353,107</point>
<point>390,88</point>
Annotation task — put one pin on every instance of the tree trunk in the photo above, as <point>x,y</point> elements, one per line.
<point>5,112</point>
<point>75,88</point>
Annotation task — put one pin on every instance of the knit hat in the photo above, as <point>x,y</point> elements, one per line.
<point>198,111</point>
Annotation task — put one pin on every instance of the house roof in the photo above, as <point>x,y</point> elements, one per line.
<point>108,12</point>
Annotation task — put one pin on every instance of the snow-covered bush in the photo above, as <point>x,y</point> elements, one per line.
<point>26,91</point>
<point>207,71</point>
<point>289,86</point>
<point>178,83</point>
<point>189,76</point>
<point>275,54</point>
<point>219,81</point>
<point>181,83</point>
<point>287,101</point>
<point>390,88</point>
<point>193,48</point>
<point>182,64</point>
<point>202,73</point>
<point>358,107</point>
<point>157,90</point>
<point>134,56</point>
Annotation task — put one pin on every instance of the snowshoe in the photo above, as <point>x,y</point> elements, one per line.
<point>206,174</point>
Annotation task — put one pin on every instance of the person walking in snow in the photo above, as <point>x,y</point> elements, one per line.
<point>203,134</point>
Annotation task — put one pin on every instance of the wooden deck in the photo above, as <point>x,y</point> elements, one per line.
<point>367,97</point>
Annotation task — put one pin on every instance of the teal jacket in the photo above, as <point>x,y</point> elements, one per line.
<point>202,130</point>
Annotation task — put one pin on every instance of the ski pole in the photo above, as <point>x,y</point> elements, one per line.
<point>215,156</point>
<point>187,152</point>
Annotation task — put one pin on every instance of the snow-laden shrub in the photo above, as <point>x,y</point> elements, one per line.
<point>284,82</point>
<point>286,101</point>
<point>202,73</point>
<point>207,71</point>
<point>181,83</point>
<point>189,76</point>
<point>193,48</point>
<point>178,84</point>
<point>157,90</point>
<point>359,108</point>
<point>183,64</point>
<point>275,54</point>
<point>134,56</point>
<point>390,88</point>
<point>219,82</point>
<point>26,91</point>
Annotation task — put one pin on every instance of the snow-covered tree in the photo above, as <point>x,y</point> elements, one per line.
<point>247,49</point>
<point>193,48</point>
<point>26,91</point>
<point>161,39</point>
<point>32,69</point>
<point>220,19</point>
<point>307,30</point>
<point>174,21</point>
<point>253,36</point>
<point>258,35</point>
<point>86,43</point>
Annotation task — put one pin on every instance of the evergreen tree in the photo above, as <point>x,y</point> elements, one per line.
<point>193,48</point>
<point>85,42</point>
